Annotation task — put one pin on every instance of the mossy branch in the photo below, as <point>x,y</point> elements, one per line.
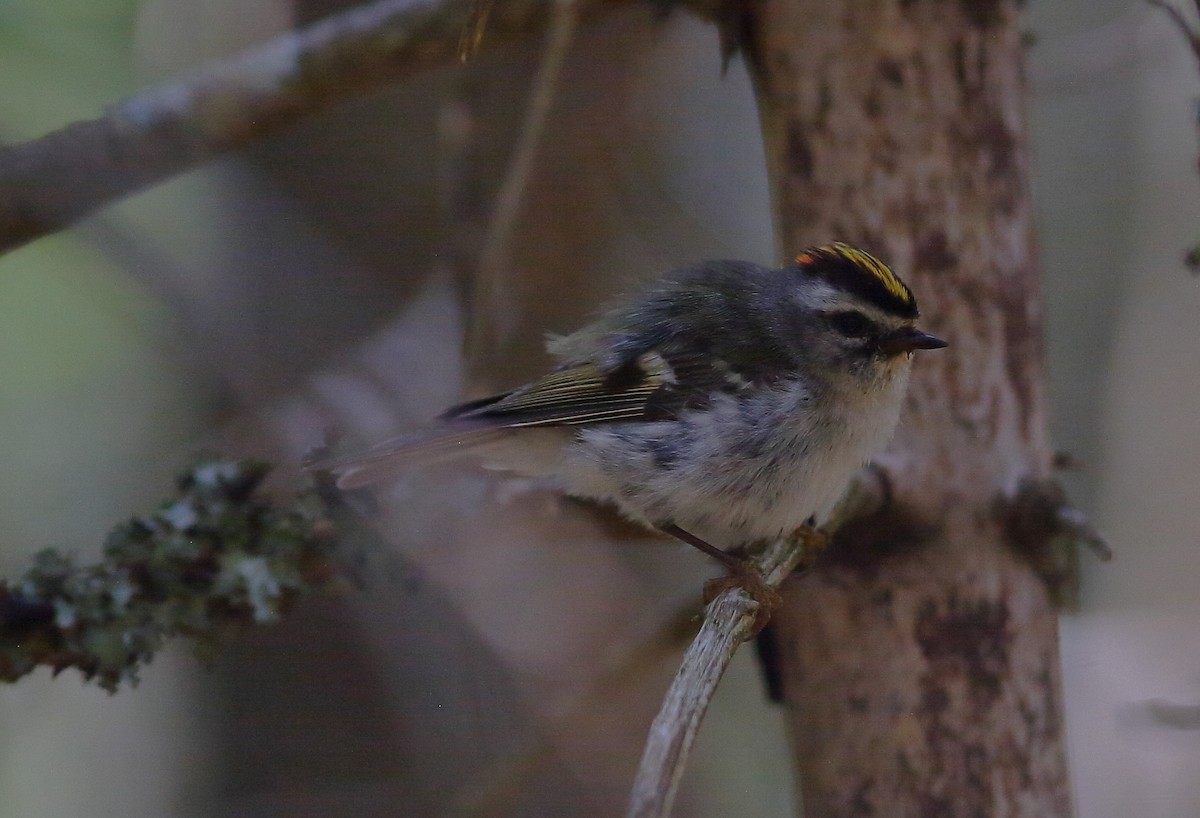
<point>216,556</point>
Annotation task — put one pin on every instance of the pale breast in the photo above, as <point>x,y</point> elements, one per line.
<point>744,468</point>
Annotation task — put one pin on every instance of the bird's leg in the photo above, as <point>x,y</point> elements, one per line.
<point>724,557</point>
<point>815,541</point>
<point>741,575</point>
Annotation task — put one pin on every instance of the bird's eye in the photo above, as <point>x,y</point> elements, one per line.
<point>851,324</point>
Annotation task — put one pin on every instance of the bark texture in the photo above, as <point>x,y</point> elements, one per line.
<point>921,660</point>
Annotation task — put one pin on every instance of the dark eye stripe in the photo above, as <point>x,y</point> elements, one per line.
<point>852,324</point>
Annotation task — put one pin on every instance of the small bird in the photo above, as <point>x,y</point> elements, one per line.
<point>725,404</point>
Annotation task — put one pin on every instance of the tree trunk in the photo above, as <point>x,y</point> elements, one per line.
<point>921,662</point>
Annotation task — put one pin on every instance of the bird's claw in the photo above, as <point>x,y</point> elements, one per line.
<point>766,598</point>
<point>815,541</point>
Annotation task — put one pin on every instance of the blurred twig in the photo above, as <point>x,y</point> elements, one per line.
<point>215,556</point>
<point>1188,30</point>
<point>1191,259</point>
<point>1048,532</point>
<point>472,32</point>
<point>1171,714</point>
<point>494,319</point>
<point>50,182</point>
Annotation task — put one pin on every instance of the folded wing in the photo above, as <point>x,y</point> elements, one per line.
<point>645,388</point>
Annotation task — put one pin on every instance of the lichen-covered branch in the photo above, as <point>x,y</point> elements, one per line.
<point>215,556</point>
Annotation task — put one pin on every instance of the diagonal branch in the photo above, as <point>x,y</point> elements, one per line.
<point>728,621</point>
<point>50,182</point>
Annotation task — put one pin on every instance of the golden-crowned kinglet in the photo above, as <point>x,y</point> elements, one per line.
<point>726,403</point>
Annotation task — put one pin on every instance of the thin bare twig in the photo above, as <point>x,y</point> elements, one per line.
<point>728,621</point>
<point>500,786</point>
<point>493,318</point>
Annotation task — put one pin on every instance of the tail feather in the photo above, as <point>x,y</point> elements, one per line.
<point>420,448</point>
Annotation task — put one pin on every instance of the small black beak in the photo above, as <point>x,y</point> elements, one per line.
<point>908,339</point>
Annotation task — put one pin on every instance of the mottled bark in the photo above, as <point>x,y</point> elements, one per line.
<point>921,660</point>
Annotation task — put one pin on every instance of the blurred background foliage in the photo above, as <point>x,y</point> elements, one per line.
<point>326,278</point>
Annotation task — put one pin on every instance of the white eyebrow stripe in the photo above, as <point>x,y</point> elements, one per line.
<point>823,297</point>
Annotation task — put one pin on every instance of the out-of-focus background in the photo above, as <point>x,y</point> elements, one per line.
<point>505,657</point>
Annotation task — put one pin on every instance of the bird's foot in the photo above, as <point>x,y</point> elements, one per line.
<point>749,580</point>
<point>815,541</point>
<point>742,574</point>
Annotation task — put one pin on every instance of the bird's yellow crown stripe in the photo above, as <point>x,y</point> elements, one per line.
<point>868,262</point>
<point>877,268</point>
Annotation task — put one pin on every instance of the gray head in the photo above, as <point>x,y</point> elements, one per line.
<point>845,311</point>
<point>832,310</point>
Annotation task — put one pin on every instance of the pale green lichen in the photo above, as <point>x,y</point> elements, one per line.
<point>214,556</point>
